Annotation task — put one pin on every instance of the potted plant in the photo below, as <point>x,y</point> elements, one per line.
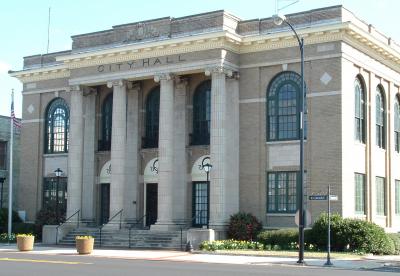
<point>84,244</point>
<point>25,242</point>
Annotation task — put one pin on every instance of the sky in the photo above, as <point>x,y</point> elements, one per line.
<point>24,24</point>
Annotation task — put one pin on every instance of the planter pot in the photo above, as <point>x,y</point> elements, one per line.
<point>84,246</point>
<point>25,243</point>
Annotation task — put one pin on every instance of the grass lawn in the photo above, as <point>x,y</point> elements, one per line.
<point>309,254</point>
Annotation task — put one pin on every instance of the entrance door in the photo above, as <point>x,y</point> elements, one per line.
<point>104,203</point>
<point>200,206</point>
<point>151,203</point>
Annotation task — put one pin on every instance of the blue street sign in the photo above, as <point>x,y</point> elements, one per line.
<point>318,197</point>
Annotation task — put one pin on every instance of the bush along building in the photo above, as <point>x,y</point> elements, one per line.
<point>181,122</point>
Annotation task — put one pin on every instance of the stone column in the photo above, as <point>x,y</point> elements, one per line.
<point>224,196</point>
<point>118,146</point>
<point>88,192</point>
<point>132,153</point>
<point>74,199</point>
<point>232,153</point>
<point>180,184</point>
<point>165,154</point>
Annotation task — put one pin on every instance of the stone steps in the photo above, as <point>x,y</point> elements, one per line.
<point>144,239</point>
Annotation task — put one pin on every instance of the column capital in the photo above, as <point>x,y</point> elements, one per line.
<point>74,88</point>
<point>218,70</point>
<point>87,90</point>
<point>114,83</point>
<point>134,86</point>
<point>229,73</point>
<point>163,76</point>
<point>181,82</point>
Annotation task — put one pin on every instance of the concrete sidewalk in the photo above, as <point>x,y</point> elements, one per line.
<point>178,256</point>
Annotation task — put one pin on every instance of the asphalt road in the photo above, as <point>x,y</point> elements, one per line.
<point>26,264</point>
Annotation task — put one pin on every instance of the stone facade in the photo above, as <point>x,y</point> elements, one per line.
<point>241,59</point>
<point>5,136</point>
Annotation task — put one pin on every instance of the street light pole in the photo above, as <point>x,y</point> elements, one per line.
<point>278,20</point>
<point>58,173</point>
<point>2,179</point>
<point>207,168</point>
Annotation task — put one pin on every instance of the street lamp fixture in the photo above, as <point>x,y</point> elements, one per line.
<point>278,20</point>
<point>207,168</point>
<point>58,173</point>
<point>2,179</point>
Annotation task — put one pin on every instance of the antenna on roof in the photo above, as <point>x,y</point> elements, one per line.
<point>48,32</point>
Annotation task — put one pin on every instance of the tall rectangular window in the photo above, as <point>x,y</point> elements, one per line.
<point>282,192</point>
<point>380,196</point>
<point>3,155</point>
<point>397,197</point>
<point>359,123</point>
<point>359,180</point>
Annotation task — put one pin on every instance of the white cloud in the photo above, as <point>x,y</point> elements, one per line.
<point>4,67</point>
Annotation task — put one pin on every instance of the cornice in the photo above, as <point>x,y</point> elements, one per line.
<point>347,32</point>
<point>152,52</point>
<point>41,74</point>
<point>153,49</point>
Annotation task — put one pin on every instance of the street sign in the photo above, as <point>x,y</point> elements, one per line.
<point>323,197</point>
<point>318,197</point>
<point>334,198</point>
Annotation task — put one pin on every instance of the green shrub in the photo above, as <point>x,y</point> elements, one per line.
<point>45,217</point>
<point>364,236</point>
<point>230,245</point>
<point>243,227</point>
<point>396,241</point>
<point>4,237</point>
<point>282,238</point>
<point>25,228</point>
<point>318,235</point>
<point>351,235</point>
<point>4,219</point>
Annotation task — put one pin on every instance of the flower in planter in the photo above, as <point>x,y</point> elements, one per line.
<point>24,235</point>
<point>83,237</point>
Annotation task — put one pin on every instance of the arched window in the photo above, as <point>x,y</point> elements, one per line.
<point>397,124</point>
<point>106,123</point>
<point>283,106</point>
<point>57,126</point>
<point>359,124</point>
<point>380,112</point>
<point>201,114</point>
<point>152,118</point>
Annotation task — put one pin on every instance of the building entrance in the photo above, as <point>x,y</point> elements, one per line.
<point>151,203</point>
<point>104,203</point>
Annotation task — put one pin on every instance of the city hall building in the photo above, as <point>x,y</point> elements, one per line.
<point>182,122</point>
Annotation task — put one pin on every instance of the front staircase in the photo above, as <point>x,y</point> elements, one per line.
<point>134,238</point>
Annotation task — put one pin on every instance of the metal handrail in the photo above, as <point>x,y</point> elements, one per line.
<point>66,221</point>
<point>131,226</point>
<point>114,216</point>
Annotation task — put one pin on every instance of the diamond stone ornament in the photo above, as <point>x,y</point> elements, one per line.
<point>326,78</point>
<point>30,108</point>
